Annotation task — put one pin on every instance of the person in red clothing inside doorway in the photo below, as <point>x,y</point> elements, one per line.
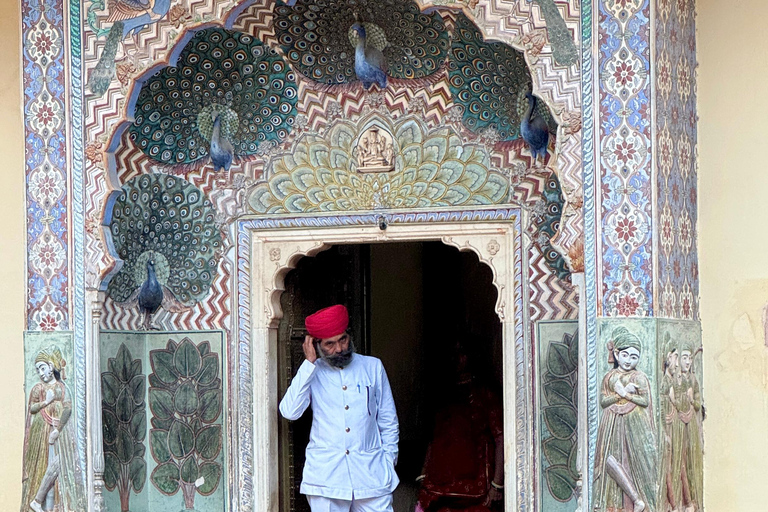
<point>352,450</point>
<point>464,466</point>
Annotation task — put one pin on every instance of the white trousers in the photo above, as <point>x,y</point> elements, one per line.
<point>378,504</point>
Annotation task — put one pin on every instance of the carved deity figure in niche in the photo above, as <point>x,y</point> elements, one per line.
<point>49,481</point>
<point>375,151</point>
<point>625,460</point>
<point>682,414</point>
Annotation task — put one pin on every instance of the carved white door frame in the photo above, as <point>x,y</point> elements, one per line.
<point>268,248</point>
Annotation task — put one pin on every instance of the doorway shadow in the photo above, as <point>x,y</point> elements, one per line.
<point>410,304</point>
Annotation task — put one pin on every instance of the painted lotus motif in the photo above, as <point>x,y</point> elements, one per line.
<point>431,169</point>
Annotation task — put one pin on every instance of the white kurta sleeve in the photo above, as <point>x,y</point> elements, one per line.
<point>386,417</point>
<point>297,397</point>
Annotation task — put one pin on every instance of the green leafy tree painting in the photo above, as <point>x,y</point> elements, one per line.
<point>185,397</point>
<point>124,425</point>
<point>560,388</point>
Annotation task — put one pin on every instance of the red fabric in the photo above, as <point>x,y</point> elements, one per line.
<point>460,461</point>
<point>328,322</point>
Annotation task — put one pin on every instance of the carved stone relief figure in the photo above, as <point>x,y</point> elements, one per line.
<point>626,459</point>
<point>375,151</point>
<point>682,414</point>
<point>49,481</point>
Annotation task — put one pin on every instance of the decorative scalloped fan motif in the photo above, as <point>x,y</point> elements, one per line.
<point>431,169</point>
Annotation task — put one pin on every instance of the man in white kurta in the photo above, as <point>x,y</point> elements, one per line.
<point>352,450</point>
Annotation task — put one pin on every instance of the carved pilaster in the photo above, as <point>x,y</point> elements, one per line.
<point>582,457</point>
<point>93,401</point>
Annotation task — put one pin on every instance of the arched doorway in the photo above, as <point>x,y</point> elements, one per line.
<point>269,248</point>
<point>411,305</point>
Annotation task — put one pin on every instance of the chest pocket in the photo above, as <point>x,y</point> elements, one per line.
<point>364,403</point>
<point>363,398</point>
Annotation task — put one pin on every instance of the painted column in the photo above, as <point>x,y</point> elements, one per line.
<point>640,233</point>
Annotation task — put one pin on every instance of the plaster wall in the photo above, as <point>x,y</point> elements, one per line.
<point>733,246</point>
<point>11,258</point>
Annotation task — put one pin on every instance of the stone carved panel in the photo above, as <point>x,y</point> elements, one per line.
<point>375,151</point>
<point>53,476</point>
<point>654,407</point>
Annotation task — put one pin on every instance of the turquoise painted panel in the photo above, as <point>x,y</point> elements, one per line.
<point>558,414</point>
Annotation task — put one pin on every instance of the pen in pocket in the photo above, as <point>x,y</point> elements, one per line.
<point>368,399</point>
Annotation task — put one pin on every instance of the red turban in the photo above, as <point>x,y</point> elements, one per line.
<point>328,322</point>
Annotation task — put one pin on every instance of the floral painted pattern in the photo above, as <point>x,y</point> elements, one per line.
<point>676,121</point>
<point>625,157</point>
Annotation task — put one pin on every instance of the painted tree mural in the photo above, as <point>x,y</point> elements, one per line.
<point>185,397</point>
<point>560,389</point>
<point>124,425</point>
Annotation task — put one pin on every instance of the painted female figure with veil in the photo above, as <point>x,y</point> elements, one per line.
<point>626,460</point>
<point>48,481</point>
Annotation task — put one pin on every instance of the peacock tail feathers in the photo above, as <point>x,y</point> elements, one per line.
<point>102,74</point>
<point>222,71</point>
<point>171,221</point>
<point>548,224</point>
<point>432,168</point>
<point>314,35</point>
<point>489,80</point>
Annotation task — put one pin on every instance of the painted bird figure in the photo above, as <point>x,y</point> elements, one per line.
<point>222,150</point>
<point>370,63</point>
<point>150,296</point>
<point>534,130</point>
<point>128,17</point>
<point>385,41</point>
<point>248,103</point>
<point>163,230</point>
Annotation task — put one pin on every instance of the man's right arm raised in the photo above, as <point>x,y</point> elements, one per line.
<point>297,398</point>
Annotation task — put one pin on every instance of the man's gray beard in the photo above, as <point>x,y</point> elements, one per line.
<point>339,360</point>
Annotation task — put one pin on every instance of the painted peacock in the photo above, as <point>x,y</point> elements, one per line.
<point>338,42</point>
<point>163,230</point>
<point>227,95</point>
<point>490,81</point>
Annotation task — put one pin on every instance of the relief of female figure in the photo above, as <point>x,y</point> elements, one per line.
<point>683,453</point>
<point>48,481</point>
<point>625,461</point>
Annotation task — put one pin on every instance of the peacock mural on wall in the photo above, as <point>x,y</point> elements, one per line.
<point>490,81</point>
<point>128,18</point>
<point>341,42</point>
<point>231,96</point>
<point>162,228</point>
<point>228,95</point>
<point>546,223</point>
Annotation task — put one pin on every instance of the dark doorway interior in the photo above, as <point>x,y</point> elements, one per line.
<point>409,304</point>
